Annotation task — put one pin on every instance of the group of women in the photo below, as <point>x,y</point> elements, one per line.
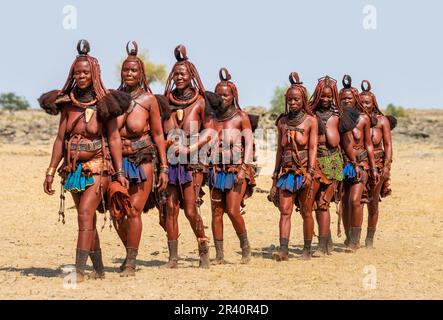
<point>336,146</point>
<point>128,150</point>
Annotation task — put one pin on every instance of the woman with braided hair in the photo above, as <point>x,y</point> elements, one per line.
<point>295,178</point>
<point>359,161</point>
<point>142,140</point>
<point>88,125</point>
<point>325,105</point>
<point>382,141</point>
<point>231,176</point>
<point>186,96</point>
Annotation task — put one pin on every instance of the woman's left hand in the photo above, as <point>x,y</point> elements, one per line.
<point>163,180</point>
<point>375,176</point>
<point>386,173</point>
<point>307,179</point>
<point>240,177</point>
<point>123,181</point>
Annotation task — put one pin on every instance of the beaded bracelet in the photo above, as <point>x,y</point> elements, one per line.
<point>119,173</point>
<point>164,169</point>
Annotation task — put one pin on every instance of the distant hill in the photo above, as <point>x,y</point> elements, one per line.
<point>35,126</point>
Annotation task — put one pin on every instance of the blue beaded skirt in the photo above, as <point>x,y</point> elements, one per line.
<point>77,182</point>
<point>290,182</point>
<point>222,180</point>
<point>134,173</point>
<point>178,174</point>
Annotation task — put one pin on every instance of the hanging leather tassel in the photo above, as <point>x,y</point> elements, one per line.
<point>61,210</point>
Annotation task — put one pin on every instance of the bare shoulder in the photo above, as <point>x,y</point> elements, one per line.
<point>201,102</point>
<point>364,118</point>
<point>384,121</point>
<point>147,99</point>
<point>243,115</point>
<point>282,119</point>
<point>312,120</point>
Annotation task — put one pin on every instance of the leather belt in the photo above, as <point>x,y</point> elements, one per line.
<point>379,154</point>
<point>288,157</point>
<point>141,144</point>
<point>362,156</point>
<point>90,146</point>
<point>326,152</point>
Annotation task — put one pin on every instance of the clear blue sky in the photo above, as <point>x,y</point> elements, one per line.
<point>260,42</point>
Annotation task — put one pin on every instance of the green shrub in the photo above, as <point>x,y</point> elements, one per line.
<point>10,101</point>
<point>398,112</point>
<point>278,100</point>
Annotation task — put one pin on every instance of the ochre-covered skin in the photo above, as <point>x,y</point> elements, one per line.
<point>356,144</point>
<point>326,106</point>
<point>187,112</point>
<point>79,125</point>
<point>382,141</point>
<point>235,142</point>
<point>296,154</point>
<point>141,123</point>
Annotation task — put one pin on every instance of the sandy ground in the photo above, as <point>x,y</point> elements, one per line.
<point>407,262</point>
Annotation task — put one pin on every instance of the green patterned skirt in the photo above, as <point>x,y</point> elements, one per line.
<point>332,166</point>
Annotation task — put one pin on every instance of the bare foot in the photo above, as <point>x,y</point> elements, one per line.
<point>128,272</point>
<point>306,255</point>
<point>204,261</point>
<point>94,275</point>
<point>352,248</point>
<point>246,255</point>
<point>320,253</point>
<point>280,256</point>
<point>369,243</point>
<point>80,277</point>
<point>171,264</point>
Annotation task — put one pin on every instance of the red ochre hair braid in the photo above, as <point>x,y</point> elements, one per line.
<point>366,91</point>
<point>323,83</point>
<point>347,86</point>
<point>294,79</point>
<point>83,49</point>
<point>182,59</point>
<point>225,80</point>
<point>132,57</point>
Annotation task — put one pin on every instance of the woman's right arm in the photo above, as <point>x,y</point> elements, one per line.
<point>346,143</point>
<point>277,155</point>
<point>57,153</point>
